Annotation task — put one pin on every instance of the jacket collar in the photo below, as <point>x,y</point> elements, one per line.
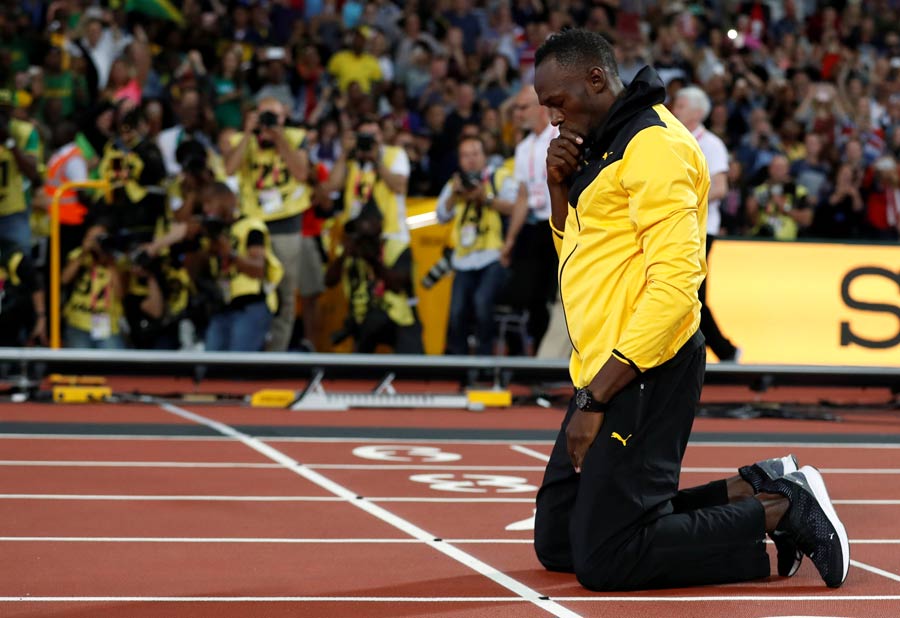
<point>645,91</point>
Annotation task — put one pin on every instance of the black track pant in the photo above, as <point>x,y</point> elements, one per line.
<point>622,524</point>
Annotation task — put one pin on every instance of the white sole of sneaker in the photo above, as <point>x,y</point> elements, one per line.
<point>817,485</point>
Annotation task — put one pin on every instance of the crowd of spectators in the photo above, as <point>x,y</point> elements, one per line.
<point>804,94</point>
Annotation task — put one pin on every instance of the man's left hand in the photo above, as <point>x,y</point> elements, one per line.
<point>581,431</point>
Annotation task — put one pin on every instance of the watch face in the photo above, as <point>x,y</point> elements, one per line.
<point>582,399</point>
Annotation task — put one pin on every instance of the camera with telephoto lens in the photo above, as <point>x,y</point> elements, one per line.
<point>470,180</point>
<point>268,119</point>
<point>440,268</point>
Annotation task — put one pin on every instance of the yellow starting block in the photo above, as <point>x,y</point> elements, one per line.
<point>272,398</point>
<point>490,398</point>
<point>63,380</point>
<point>81,394</point>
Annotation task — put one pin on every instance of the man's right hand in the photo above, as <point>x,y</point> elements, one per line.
<point>563,156</point>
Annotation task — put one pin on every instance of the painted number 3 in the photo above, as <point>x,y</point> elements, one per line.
<point>475,483</point>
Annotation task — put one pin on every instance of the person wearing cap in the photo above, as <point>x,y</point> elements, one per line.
<point>355,65</point>
<point>276,85</point>
<point>20,150</point>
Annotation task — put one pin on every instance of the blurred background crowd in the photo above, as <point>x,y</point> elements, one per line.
<point>262,151</point>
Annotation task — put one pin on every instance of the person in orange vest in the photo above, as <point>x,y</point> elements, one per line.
<point>67,164</point>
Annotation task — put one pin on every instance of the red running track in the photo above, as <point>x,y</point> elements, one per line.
<point>132,527</point>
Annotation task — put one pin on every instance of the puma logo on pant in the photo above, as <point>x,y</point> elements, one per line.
<point>615,435</point>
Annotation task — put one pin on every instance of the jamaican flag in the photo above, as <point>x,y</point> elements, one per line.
<point>161,9</point>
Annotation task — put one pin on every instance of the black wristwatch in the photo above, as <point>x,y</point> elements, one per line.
<point>584,401</point>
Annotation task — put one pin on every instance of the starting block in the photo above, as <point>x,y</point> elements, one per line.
<point>81,394</point>
<point>314,397</point>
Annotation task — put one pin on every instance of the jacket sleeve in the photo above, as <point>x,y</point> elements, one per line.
<point>667,184</point>
<point>557,238</point>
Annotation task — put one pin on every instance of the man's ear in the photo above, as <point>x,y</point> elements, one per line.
<point>597,79</point>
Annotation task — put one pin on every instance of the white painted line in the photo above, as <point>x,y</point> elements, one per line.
<point>262,599</point>
<point>311,541</point>
<point>486,442</point>
<point>105,436</point>
<point>384,515</point>
<point>876,570</point>
<point>133,464</point>
<point>144,539</point>
<point>165,498</point>
<point>822,598</point>
<point>822,470</point>
<point>409,499</point>
<point>868,502</point>
<point>530,452</point>
<point>374,467</point>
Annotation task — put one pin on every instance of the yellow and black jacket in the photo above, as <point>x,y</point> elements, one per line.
<point>632,255</point>
<point>365,291</point>
<point>268,191</point>
<point>239,289</point>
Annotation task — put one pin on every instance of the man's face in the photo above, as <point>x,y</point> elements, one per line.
<point>221,205</point>
<point>190,110</point>
<point>566,96</point>
<point>527,112</point>
<point>685,112</point>
<point>471,156</point>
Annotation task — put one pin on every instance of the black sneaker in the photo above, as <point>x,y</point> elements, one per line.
<point>813,524</point>
<point>758,474</point>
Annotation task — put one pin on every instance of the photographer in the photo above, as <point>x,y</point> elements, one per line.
<point>369,172</point>
<point>157,298</point>
<point>22,317</point>
<point>19,152</point>
<point>273,172</point>
<point>376,274</point>
<point>134,167</point>
<point>94,307</point>
<point>472,201</point>
<point>195,176</point>
<point>234,269</point>
<point>778,208</point>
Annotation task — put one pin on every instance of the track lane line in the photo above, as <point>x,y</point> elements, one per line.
<point>408,499</point>
<point>875,570</point>
<point>311,541</point>
<point>821,598</point>
<point>384,515</point>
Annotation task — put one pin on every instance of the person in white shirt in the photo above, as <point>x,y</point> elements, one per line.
<point>692,106</point>
<point>534,263</point>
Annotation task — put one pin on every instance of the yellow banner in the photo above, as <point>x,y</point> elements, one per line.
<point>807,303</point>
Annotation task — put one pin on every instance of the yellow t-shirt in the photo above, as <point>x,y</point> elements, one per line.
<point>347,67</point>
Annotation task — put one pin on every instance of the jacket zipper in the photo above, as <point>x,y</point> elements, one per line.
<point>562,300</point>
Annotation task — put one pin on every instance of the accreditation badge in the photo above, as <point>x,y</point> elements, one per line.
<point>270,201</point>
<point>468,234</point>
<point>101,326</point>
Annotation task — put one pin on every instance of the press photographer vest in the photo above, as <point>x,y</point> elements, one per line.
<point>268,191</point>
<point>478,228</point>
<point>364,291</point>
<point>362,184</point>
<point>12,188</point>
<point>237,284</point>
<point>92,300</point>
